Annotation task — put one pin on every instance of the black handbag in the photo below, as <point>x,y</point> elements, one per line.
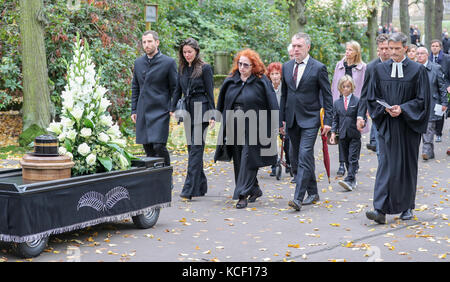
<point>222,153</point>
<point>181,108</point>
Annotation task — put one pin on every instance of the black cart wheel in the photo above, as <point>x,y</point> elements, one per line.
<point>30,249</point>
<point>279,170</point>
<point>146,220</point>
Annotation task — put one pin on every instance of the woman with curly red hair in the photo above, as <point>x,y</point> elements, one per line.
<point>274,74</point>
<point>246,100</point>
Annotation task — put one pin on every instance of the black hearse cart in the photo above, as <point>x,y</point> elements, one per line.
<point>30,213</point>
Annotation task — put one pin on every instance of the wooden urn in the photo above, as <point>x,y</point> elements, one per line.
<point>45,163</point>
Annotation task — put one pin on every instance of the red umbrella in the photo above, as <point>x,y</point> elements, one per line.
<point>326,156</point>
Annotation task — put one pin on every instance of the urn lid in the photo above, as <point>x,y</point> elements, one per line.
<point>46,145</point>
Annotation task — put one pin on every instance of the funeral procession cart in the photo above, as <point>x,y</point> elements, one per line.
<point>30,213</point>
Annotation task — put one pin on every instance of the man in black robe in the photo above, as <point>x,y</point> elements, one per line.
<point>404,88</point>
<point>383,55</point>
<point>154,82</point>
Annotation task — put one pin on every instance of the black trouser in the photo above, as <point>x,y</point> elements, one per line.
<point>157,150</point>
<point>373,135</point>
<point>245,177</point>
<point>293,159</point>
<point>343,155</point>
<point>439,126</point>
<point>351,148</point>
<point>303,140</point>
<point>196,183</point>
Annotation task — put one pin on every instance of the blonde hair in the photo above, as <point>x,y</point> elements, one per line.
<point>357,48</point>
<point>344,79</point>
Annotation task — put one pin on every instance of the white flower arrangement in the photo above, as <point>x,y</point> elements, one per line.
<point>86,131</point>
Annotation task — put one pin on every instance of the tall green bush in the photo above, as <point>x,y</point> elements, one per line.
<point>113,29</point>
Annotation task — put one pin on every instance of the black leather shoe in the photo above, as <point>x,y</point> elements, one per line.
<point>371,147</point>
<point>311,199</point>
<point>427,157</point>
<point>242,203</point>
<point>296,205</point>
<point>288,169</point>
<point>406,215</point>
<point>341,170</point>
<point>347,185</point>
<point>256,195</point>
<point>186,198</point>
<point>377,216</point>
<point>293,180</point>
<point>273,172</point>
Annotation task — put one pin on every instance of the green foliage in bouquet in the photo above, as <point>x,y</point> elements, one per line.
<point>86,131</point>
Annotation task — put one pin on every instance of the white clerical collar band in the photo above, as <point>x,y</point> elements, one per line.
<point>397,68</point>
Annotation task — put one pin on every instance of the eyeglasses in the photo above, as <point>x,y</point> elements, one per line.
<point>244,65</point>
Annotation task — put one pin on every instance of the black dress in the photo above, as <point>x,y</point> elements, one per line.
<point>199,100</point>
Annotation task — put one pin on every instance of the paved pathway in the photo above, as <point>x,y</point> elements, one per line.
<point>334,229</point>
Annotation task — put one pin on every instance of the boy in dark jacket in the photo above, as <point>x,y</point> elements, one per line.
<point>345,112</point>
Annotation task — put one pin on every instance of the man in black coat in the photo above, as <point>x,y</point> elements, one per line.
<point>383,55</point>
<point>154,82</point>
<point>305,90</point>
<point>438,93</point>
<point>445,43</point>
<point>437,56</point>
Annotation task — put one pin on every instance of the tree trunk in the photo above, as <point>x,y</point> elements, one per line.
<point>404,17</point>
<point>297,17</point>
<point>372,28</point>
<point>438,18</point>
<point>428,21</point>
<point>387,12</point>
<point>390,15</point>
<point>36,96</point>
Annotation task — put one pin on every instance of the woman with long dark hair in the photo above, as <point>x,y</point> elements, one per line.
<point>195,82</point>
<point>247,93</point>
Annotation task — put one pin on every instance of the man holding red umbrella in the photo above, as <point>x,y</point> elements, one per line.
<point>305,90</point>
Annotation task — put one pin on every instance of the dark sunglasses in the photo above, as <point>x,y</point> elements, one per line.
<point>244,65</point>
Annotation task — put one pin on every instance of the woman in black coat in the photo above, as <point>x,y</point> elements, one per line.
<point>250,140</point>
<point>195,81</point>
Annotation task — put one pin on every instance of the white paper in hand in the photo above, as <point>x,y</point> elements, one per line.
<point>438,110</point>
<point>384,104</point>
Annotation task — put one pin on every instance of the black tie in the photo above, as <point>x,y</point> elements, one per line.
<point>436,59</point>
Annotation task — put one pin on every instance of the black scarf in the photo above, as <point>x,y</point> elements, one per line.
<point>348,69</point>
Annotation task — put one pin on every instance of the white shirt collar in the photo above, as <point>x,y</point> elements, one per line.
<point>305,60</point>
<point>276,89</point>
